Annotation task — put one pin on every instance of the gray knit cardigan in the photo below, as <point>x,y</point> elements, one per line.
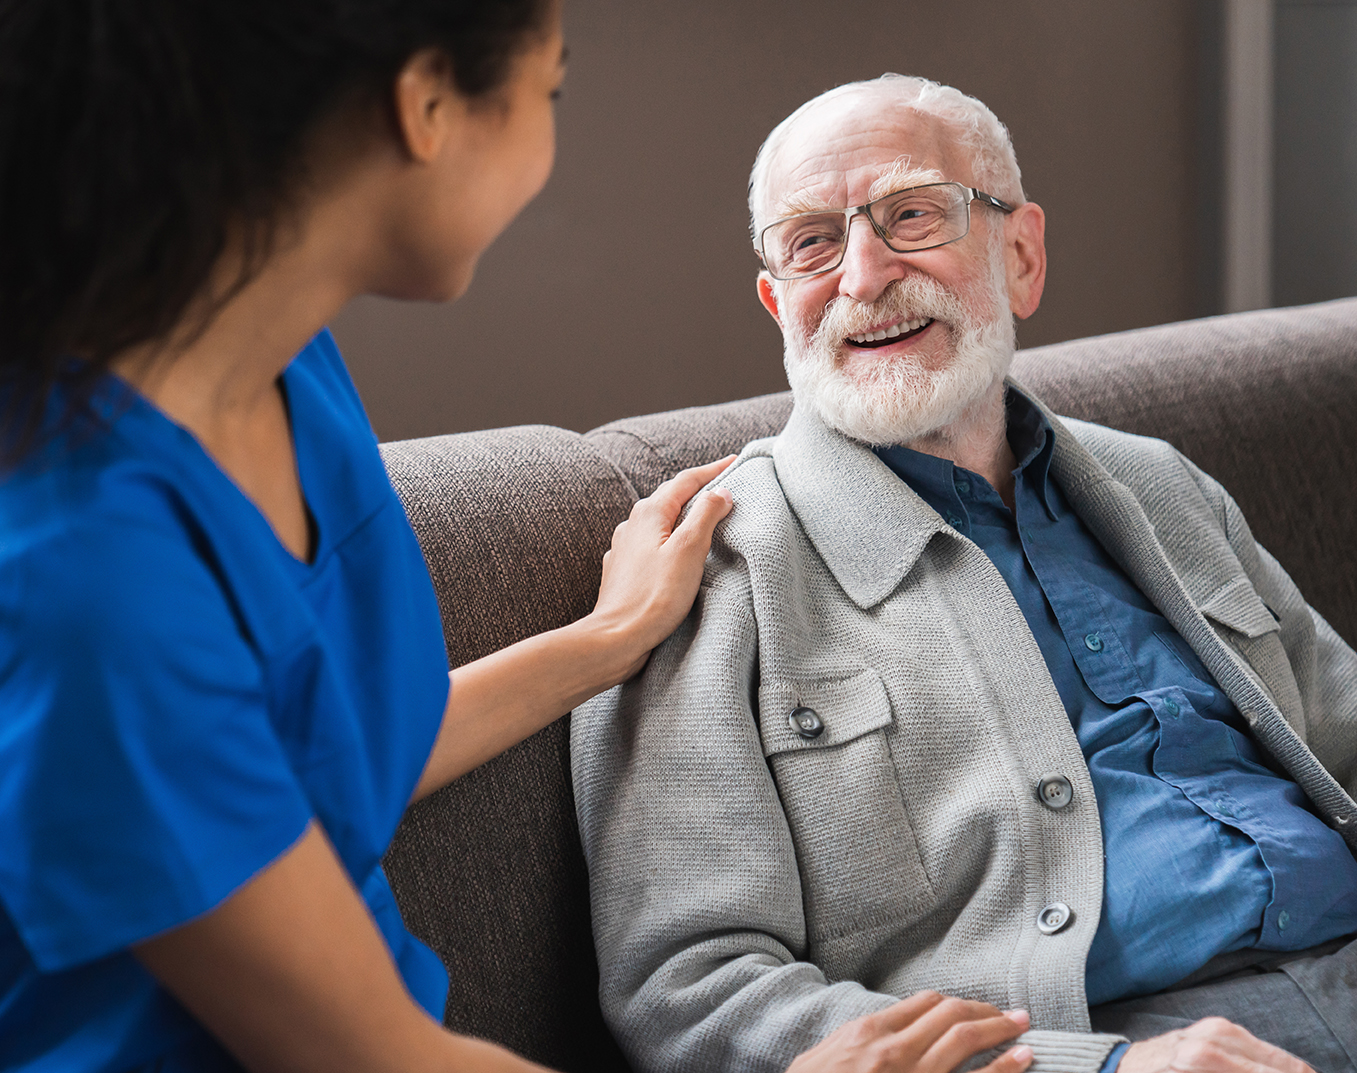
<point>753,889</point>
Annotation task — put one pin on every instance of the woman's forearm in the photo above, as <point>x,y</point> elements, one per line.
<point>291,975</point>
<point>511,694</point>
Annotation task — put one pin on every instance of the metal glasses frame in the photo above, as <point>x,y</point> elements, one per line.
<point>865,210</point>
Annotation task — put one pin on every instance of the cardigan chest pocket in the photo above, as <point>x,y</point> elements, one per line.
<point>855,845</point>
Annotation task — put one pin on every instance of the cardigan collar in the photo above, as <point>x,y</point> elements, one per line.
<point>866,523</point>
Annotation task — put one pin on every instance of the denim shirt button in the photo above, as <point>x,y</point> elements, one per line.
<point>963,486</point>
<point>1093,642</point>
<point>1171,706</point>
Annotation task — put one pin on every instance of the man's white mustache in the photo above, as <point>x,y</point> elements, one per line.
<point>910,299</point>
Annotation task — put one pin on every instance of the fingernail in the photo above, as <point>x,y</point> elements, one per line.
<point>722,493</point>
<point>1022,1017</point>
<point>1021,1054</point>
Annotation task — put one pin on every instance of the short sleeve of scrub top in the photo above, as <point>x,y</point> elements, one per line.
<point>180,697</point>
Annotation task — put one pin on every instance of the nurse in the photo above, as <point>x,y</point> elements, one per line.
<point>222,675</point>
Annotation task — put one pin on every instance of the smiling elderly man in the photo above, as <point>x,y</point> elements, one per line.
<point>973,699</point>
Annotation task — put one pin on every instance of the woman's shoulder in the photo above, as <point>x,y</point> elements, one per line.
<point>109,555</point>
<point>101,532</point>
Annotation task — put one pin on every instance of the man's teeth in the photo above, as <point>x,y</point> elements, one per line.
<point>891,332</point>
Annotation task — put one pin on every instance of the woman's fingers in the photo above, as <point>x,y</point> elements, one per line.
<point>905,1012</point>
<point>925,1033</point>
<point>965,1029</point>
<point>652,572</point>
<point>706,510</point>
<point>1014,1060</point>
<point>668,499</point>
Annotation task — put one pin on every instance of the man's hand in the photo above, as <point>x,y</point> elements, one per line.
<point>1212,1045</point>
<point>925,1033</point>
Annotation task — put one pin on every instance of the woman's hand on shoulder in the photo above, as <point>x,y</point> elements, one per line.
<point>650,578</point>
<point>653,570</point>
<point>925,1033</point>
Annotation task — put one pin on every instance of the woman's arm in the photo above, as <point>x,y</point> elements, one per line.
<point>650,577</point>
<point>290,974</point>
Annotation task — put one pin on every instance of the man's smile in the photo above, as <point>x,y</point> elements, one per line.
<point>894,333</point>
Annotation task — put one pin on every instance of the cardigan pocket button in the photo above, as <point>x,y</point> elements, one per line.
<point>806,722</point>
<point>1055,792</point>
<point>1054,918</point>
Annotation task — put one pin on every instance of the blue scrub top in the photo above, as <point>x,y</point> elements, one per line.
<point>180,697</point>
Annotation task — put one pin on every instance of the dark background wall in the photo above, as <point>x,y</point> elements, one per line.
<point>1315,151</point>
<point>628,286</point>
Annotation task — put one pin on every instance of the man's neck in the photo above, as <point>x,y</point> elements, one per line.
<point>977,441</point>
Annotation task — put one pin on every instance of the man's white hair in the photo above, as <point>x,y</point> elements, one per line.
<point>970,122</point>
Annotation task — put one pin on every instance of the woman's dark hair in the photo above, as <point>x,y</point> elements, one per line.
<point>135,135</point>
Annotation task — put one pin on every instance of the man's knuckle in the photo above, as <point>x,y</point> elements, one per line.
<point>1200,1053</point>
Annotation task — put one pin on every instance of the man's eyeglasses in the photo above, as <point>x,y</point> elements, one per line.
<point>919,218</point>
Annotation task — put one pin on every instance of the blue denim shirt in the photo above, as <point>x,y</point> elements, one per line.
<point>1207,848</point>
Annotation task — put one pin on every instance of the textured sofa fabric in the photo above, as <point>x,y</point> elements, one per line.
<point>514,523</point>
<point>488,871</point>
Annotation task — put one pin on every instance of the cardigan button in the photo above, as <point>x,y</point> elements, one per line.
<point>1054,918</point>
<point>1055,792</point>
<point>806,722</point>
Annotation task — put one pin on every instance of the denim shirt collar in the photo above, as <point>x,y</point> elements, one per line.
<point>1030,435</point>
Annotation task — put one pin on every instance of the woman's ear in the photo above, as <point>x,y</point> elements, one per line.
<point>427,104</point>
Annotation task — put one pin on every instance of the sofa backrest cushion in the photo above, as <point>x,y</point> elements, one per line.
<point>489,871</point>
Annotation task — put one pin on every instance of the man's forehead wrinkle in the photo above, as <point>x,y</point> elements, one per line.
<point>818,183</point>
<point>844,150</point>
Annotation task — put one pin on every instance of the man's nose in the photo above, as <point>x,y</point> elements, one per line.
<point>869,265</point>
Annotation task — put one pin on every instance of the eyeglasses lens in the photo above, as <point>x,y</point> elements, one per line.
<point>915,219</point>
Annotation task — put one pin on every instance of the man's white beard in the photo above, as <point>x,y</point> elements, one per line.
<point>896,400</point>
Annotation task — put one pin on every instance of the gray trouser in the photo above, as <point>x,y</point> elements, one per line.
<point>1305,1003</point>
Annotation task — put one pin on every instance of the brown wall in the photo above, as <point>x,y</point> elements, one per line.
<point>628,286</point>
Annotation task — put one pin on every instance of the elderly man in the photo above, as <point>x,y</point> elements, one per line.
<point>973,699</point>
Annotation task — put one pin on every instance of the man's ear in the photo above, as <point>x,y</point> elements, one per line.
<point>767,298</point>
<point>427,104</point>
<point>1025,258</point>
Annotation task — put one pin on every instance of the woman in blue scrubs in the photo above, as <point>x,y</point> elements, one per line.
<point>222,675</point>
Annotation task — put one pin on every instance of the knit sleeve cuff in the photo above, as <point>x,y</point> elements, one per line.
<point>1068,1052</point>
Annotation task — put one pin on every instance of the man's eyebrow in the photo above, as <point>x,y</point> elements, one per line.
<point>900,176</point>
<point>801,201</point>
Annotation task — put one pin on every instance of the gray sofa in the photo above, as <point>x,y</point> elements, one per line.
<point>514,523</point>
